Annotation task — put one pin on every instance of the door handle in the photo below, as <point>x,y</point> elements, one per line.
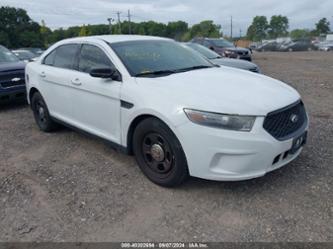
<point>76,82</point>
<point>42,74</point>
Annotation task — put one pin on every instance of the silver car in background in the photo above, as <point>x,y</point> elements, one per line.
<point>223,61</point>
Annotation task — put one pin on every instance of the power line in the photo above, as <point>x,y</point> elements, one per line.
<point>119,23</point>
<point>231,27</point>
<point>110,20</point>
<point>129,21</point>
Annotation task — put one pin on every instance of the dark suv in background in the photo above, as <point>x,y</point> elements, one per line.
<point>12,81</point>
<point>297,45</point>
<point>224,48</point>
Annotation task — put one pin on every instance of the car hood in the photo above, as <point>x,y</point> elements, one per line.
<point>242,64</point>
<point>222,90</point>
<point>12,66</point>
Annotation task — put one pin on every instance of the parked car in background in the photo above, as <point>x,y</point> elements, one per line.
<point>269,46</point>
<point>224,48</point>
<point>223,61</point>
<point>37,51</point>
<point>325,46</point>
<point>297,45</point>
<point>24,55</point>
<point>12,81</point>
<point>177,112</point>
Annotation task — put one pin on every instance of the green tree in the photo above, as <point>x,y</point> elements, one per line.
<point>186,37</point>
<point>99,29</point>
<point>176,30</point>
<point>17,26</point>
<point>322,27</point>
<point>154,28</point>
<point>278,26</point>
<point>300,33</point>
<point>4,39</point>
<point>206,29</point>
<point>72,31</point>
<point>83,31</point>
<point>45,33</point>
<point>57,35</point>
<point>258,29</point>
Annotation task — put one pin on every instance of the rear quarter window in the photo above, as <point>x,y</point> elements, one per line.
<point>49,59</point>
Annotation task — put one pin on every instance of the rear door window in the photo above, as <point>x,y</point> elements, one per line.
<point>65,56</point>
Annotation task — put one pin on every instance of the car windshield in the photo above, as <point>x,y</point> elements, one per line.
<point>222,43</point>
<point>158,57</point>
<point>7,56</point>
<point>25,55</point>
<point>204,51</point>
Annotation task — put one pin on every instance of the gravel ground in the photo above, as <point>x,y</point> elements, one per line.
<point>68,187</point>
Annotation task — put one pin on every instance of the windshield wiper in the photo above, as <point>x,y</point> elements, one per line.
<point>192,68</point>
<point>168,72</point>
<point>156,73</point>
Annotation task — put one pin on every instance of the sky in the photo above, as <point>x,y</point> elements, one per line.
<point>65,13</point>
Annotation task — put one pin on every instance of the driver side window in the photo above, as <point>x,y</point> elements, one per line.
<point>93,57</point>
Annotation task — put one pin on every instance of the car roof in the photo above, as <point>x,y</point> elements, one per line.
<point>21,50</point>
<point>208,38</point>
<point>115,38</point>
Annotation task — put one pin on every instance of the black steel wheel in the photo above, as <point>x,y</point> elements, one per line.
<point>159,153</point>
<point>41,113</point>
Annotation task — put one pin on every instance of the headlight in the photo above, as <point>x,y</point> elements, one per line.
<point>229,52</point>
<point>223,121</point>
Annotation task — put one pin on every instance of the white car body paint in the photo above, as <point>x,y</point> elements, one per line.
<point>212,153</point>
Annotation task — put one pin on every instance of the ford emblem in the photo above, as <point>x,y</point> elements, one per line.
<point>294,118</point>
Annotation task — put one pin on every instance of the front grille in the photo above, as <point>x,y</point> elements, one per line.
<point>284,123</point>
<point>12,79</point>
<point>242,53</point>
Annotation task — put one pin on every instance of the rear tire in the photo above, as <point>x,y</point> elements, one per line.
<point>41,114</point>
<point>159,154</point>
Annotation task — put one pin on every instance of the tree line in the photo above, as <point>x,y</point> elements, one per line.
<point>278,26</point>
<point>17,29</point>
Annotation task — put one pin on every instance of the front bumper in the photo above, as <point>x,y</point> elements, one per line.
<point>8,95</point>
<point>247,57</point>
<point>217,154</point>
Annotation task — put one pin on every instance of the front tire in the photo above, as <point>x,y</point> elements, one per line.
<point>41,114</point>
<point>159,153</point>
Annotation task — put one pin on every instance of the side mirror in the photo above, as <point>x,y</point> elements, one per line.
<point>105,73</point>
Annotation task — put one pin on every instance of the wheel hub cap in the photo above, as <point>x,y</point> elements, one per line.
<point>41,112</point>
<point>157,152</point>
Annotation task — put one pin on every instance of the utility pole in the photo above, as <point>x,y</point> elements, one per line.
<point>110,20</point>
<point>240,33</point>
<point>129,22</point>
<point>119,24</point>
<point>231,27</point>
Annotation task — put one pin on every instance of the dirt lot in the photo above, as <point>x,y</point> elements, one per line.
<point>68,187</point>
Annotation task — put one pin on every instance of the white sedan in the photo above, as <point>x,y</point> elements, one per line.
<point>179,114</point>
